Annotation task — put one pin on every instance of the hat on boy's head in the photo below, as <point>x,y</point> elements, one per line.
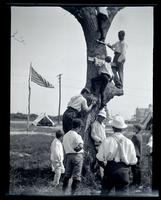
<point>59,133</point>
<point>102,113</point>
<point>118,122</point>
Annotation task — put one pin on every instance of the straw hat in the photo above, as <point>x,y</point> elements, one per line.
<point>118,122</point>
<point>102,113</point>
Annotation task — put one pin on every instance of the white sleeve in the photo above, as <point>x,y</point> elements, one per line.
<point>84,105</point>
<point>78,140</point>
<point>100,154</point>
<point>103,151</point>
<point>94,133</point>
<point>55,153</point>
<point>132,155</point>
<point>52,149</point>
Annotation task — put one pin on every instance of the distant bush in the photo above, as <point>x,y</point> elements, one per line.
<point>18,116</point>
<point>21,116</point>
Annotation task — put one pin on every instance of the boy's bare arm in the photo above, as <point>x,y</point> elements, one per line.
<point>106,44</point>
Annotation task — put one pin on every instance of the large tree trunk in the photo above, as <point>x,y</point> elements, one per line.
<point>87,17</point>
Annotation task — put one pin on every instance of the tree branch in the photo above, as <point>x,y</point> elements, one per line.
<point>112,12</point>
<point>75,11</point>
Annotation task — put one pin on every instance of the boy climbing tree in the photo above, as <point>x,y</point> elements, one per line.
<point>119,49</point>
<point>102,17</point>
<point>87,18</point>
<point>104,76</point>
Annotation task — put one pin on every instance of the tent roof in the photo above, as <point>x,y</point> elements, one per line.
<point>40,117</point>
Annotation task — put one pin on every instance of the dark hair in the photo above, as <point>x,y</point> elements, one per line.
<point>108,59</point>
<point>59,134</point>
<point>121,33</point>
<point>85,90</point>
<point>77,123</point>
<point>117,129</point>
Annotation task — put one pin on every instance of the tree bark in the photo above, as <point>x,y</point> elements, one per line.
<point>87,18</point>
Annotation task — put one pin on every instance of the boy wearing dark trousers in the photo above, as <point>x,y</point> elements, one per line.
<point>73,146</point>
<point>119,49</point>
<point>75,106</point>
<point>116,154</point>
<point>102,18</point>
<point>117,65</point>
<point>104,76</point>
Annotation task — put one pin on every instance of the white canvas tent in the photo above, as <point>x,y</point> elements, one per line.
<point>40,117</point>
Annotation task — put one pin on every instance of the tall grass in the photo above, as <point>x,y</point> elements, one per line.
<point>30,169</point>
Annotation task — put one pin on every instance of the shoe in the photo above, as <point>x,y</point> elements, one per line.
<point>138,188</point>
<point>75,187</point>
<point>119,86</point>
<point>137,191</point>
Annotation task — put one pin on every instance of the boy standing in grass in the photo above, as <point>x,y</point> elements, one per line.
<point>57,157</point>
<point>73,146</point>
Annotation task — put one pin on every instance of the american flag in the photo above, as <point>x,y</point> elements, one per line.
<point>38,79</point>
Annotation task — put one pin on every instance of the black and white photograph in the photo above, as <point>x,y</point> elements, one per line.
<point>81,101</point>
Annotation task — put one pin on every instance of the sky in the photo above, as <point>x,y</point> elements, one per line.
<point>54,43</point>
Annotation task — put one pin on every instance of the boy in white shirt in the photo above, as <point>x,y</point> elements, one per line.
<point>57,157</point>
<point>76,104</point>
<point>73,147</point>
<point>119,49</point>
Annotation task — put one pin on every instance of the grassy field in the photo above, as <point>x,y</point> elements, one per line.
<point>30,170</point>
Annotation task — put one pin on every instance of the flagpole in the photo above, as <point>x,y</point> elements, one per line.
<point>29,94</point>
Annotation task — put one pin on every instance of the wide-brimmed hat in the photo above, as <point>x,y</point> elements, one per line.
<point>118,122</point>
<point>102,113</point>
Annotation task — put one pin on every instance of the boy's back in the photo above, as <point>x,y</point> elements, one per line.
<point>70,140</point>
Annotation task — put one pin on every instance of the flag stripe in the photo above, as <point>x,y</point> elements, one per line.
<point>38,79</point>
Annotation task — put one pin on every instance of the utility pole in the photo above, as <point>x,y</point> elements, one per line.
<point>29,96</point>
<point>59,77</point>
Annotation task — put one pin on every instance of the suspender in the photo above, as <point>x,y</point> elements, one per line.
<point>119,148</point>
